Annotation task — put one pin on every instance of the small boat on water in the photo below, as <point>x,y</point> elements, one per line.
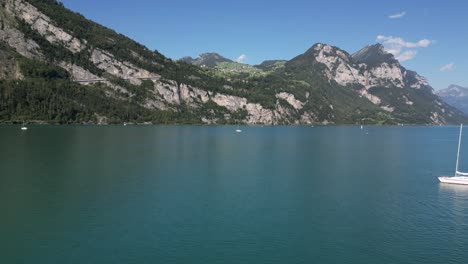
<point>459,177</point>
<point>238,130</point>
<point>24,127</point>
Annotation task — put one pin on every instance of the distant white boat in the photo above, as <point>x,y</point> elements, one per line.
<point>23,127</point>
<point>362,127</point>
<point>125,124</point>
<point>459,177</point>
<point>238,130</point>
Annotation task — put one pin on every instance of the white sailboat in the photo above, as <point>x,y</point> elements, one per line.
<point>238,130</point>
<point>459,177</point>
<point>24,127</point>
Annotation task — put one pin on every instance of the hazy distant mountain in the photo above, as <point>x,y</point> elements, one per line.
<point>58,66</point>
<point>456,96</point>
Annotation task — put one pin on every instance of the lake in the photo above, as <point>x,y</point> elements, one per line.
<point>205,194</point>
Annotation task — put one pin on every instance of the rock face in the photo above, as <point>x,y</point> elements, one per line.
<point>77,72</point>
<point>375,75</point>
<point>339,65</point>
<point>170,94</point>
<point>15,39</point>
<point>455,95</point>
<point>298,105</point>
<point>44,25</point>
<point>124,70</point>
<point>370,67</point>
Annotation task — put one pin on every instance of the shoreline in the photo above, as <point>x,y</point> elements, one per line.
<point>42,123</point>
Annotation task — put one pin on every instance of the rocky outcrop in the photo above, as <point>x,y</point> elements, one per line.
<point>124,70</point>
<point>374,99</point>
<point>362,68</point>
<point>78,73</point>
<point>298,105</point>
<point>169,94</point>
<point>44,25</point>
<point>437,119</point>
<point>339,66</point>
<point>370,67</point>
<point>16,39</point>
<point>167,91</point>
<point>308,118</point>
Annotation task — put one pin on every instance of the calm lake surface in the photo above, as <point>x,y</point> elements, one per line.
<point>199,194</point>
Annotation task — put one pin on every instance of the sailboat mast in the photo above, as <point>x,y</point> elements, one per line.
<point>458,151</point>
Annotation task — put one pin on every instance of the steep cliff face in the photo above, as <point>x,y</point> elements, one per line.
<point>324,85</point>
<point>43,25</point>
<point>164,95</point>
<point>377,76</point>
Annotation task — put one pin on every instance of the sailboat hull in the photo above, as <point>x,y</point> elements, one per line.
<point>457,178</point>
<point>454,180</point>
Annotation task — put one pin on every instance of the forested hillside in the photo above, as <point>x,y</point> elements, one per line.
<point>59,67</point>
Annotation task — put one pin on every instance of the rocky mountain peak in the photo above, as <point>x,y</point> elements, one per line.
<point>374,55</point>
<point>321,50</point>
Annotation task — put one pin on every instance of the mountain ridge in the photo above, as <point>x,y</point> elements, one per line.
<point>209,59</point>
<point>42,40</point>
<point>456,96</point>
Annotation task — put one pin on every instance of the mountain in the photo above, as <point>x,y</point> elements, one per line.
<point>456,96</point>
<point>209,60</point>
<point>271,65</point>
<point>374,55</point>
<point>57,66</point>
<point>376,75</point>
<point>222,66</point>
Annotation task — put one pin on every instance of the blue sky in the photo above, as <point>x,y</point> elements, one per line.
<point>430,36</point>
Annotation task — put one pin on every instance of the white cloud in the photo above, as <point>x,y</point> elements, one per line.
<point>401,49</point>
<point>242,58</point>
<point>407,55</point>
<point>399,42</point>
<point>397,15</point>
<point>448,68</point>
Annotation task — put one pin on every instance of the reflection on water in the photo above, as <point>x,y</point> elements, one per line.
<point>455,196</point>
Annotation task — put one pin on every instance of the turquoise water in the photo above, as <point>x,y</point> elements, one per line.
<point>195,194</point>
